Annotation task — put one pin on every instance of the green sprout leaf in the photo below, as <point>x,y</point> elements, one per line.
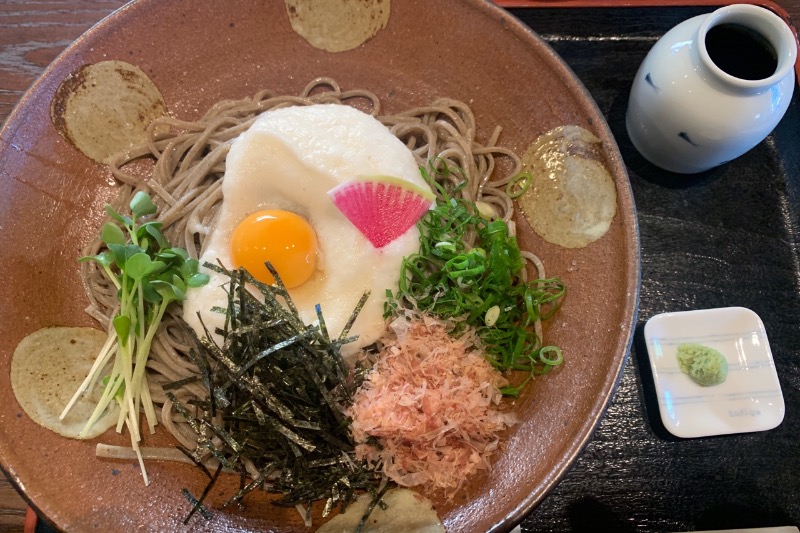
<point>168,291</point>
<point>122,219</point>
<point>138,266</point>
<point>153,229</point>
<point>122,326</point>
<point>150,294</point>
<point>142,205</point>
<point>123,252</point>
<point>105,258</point>
<point>149,275</point>
<point>111,233</point>
<point>197,280</point>
<point>189,268</point>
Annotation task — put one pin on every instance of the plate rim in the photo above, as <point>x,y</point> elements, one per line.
<point>632,255</point>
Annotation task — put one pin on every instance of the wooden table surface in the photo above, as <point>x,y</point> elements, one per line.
<point>32,34</point>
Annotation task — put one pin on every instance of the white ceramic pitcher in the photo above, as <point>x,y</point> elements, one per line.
<point>692,109</point>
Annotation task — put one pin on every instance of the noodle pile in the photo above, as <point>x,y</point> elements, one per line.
<point>186,185</point>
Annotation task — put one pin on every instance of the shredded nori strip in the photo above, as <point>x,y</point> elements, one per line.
<point>179,383</point>
<point>197,463</point>
<point>277,391</point>
<point>197,503</point>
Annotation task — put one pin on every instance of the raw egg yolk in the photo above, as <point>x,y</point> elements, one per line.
<point>284,239</point>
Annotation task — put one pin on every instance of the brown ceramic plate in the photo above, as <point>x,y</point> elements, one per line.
<point>51,200</point>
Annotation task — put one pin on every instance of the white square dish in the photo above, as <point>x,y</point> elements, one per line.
<point>750,397</point>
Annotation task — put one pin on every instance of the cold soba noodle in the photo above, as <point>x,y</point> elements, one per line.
<point>186,185</point>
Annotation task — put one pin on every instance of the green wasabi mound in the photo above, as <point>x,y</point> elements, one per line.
<point>704,365</point>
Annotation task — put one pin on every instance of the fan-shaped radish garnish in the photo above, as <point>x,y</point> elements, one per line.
<point>382,208</point>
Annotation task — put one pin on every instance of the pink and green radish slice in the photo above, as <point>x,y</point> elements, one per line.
<point>382,208</point>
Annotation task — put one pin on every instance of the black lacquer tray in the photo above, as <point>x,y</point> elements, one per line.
<point>726,237</point>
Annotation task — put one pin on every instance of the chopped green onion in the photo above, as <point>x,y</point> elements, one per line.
<point>556,359</point>
<point>519,184</point>
<point>480,284</point>
<point>485,210</point>
<point>492,314</point>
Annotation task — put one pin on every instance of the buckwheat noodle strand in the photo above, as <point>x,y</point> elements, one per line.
<point>185,182</point>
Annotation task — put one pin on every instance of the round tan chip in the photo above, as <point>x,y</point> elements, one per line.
<point>105,108</point>
<point>572,199</point>
<point>337,25</point>
<point>48,367</point>
<point>405,511</point>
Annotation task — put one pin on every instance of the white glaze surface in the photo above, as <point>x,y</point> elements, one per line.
<point>750,399</point>
<point>687,115</point>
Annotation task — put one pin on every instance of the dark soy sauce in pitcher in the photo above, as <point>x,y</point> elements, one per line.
<point>741,52</point>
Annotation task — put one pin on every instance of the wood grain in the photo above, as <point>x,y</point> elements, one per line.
<point>12,508</point>
<point>32,34</point>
